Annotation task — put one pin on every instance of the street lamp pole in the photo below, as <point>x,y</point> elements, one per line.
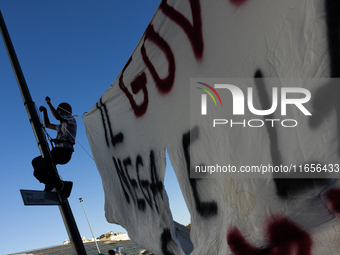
<point>64,207</point>
<point>95,240</point>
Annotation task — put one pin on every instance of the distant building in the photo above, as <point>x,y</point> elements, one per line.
<point>110,236</point>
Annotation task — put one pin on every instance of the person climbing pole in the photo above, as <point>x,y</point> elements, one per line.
<point>61,153</point>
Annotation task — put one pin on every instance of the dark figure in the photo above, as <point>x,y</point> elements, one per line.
<point>61,154</point>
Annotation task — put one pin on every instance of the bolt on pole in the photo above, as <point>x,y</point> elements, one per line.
<point>65,210</point>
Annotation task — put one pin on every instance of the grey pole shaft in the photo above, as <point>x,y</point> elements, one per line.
<point>65,210</point>
<point>95,240</point>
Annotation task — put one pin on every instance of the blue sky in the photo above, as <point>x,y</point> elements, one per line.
<point>70,51</point>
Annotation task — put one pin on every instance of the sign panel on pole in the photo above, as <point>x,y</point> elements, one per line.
<point>38,197</point>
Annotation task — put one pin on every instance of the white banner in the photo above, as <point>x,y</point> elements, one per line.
<point>271,124</point>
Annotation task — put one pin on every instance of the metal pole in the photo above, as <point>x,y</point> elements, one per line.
<point>81,201</point>
<point>65,210</point>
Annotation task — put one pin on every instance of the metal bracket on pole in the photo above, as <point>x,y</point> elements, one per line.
<point>65,210</point>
